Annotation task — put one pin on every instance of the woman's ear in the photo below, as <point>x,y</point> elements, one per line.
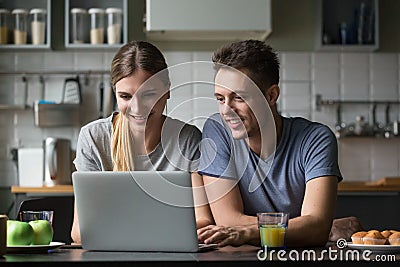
<point>272,94</point>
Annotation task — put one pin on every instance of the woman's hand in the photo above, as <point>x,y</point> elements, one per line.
<point>224,235</point>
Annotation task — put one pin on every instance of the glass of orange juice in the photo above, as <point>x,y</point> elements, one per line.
<point>272,227</point>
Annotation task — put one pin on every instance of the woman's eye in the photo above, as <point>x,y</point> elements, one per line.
<point>125,96</point>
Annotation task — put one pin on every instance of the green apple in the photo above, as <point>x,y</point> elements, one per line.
<point>42,232</point>
<point>19,233</point>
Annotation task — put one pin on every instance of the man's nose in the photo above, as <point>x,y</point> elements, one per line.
<point>227,108</point>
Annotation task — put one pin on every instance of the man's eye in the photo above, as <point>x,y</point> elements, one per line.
<point>149,94</point>
<point>220,99</point>
<point>239,98</point>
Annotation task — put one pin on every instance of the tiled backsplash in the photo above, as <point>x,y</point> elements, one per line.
<point>344,76</point>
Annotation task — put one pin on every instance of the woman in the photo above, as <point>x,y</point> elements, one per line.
<point>139,136</point>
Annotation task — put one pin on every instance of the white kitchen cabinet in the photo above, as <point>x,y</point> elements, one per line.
<point>86,5</point>
<point>347,25</point>
<point>207,19</point>
<point>28,5</point>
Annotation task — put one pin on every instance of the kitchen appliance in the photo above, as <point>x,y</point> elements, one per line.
<point>57,161</point>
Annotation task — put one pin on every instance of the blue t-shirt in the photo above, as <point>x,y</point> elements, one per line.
<point>307,150</point>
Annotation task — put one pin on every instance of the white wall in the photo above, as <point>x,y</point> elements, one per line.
<point>346,76</point>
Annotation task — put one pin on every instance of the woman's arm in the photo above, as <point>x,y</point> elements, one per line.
<point>202,209</point>
<point>75,233</point>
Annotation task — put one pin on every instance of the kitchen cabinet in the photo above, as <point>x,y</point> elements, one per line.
<point>375,210</point>
<point>8,28</point>
<point>347,25</point>
<point>86,21</point>
<point>380,197</point>
<point>207,19</point>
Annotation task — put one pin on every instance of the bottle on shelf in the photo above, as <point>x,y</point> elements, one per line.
<point>114,22</point>
<point>96,25</point>
<point>4,18</point>
<point>78,25</point>
<point>38,25</point>
<point>20,26</point>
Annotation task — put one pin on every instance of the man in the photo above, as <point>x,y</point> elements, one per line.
<point>254,160</point>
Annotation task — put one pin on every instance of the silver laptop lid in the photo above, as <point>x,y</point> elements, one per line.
<point>136,211</point>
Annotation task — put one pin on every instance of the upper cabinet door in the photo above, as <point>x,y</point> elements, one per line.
<point>25,24</point>
<point>348,25</point>
<point>208,19</point>
<point>96,23</point>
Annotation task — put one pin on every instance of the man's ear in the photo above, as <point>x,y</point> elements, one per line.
<point>272,94</point>
<point>168,91</point>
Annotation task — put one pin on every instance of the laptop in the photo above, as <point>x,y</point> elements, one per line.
<point>136,211</point>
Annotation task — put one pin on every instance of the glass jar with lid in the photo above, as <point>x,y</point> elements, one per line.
<point>4,19</point>
<point>96,25</point>
<point>78,25</point>
<point>20,26</point>
<point>38,25</point>
<point>114,22</point>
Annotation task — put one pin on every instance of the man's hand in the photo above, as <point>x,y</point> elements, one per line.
<point>229,235</point>
<point>220,235</point>
<point>344,228</point>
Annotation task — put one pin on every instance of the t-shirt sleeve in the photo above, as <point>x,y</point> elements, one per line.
<point>84,160</point>
<point>193,149</point>
<point>216,157</point>
<point>320,152</point>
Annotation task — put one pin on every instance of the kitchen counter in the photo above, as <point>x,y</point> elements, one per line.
<point>45,190</point>
<point>344,186</point>
<point>386,184</point>
<point>228,256</point>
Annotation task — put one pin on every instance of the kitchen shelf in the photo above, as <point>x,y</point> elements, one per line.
<point>389,130</point>
<point>24,74</point>
<point>321,102</point>
<point>69,4</point>
<point>342,17</point>
<point>13,4</point>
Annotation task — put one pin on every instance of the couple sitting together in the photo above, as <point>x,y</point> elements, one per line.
<point>251,159</point>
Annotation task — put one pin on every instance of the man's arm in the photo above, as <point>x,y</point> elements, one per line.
<point>227,209</point>
<point>311,228</point>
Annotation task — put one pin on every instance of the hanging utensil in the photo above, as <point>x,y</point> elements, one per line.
<point>72,91</point>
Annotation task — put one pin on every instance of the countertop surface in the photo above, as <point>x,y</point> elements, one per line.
<point>232,256</point>
<point>345,186</point>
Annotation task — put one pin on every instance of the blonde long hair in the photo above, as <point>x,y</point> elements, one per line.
<point>135,55</point>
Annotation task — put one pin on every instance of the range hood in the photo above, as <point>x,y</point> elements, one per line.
<point>208,19</point>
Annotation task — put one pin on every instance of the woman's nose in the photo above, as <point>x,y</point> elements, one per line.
<point>136,105</point>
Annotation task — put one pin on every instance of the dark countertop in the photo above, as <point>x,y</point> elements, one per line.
<point>239,256</point>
